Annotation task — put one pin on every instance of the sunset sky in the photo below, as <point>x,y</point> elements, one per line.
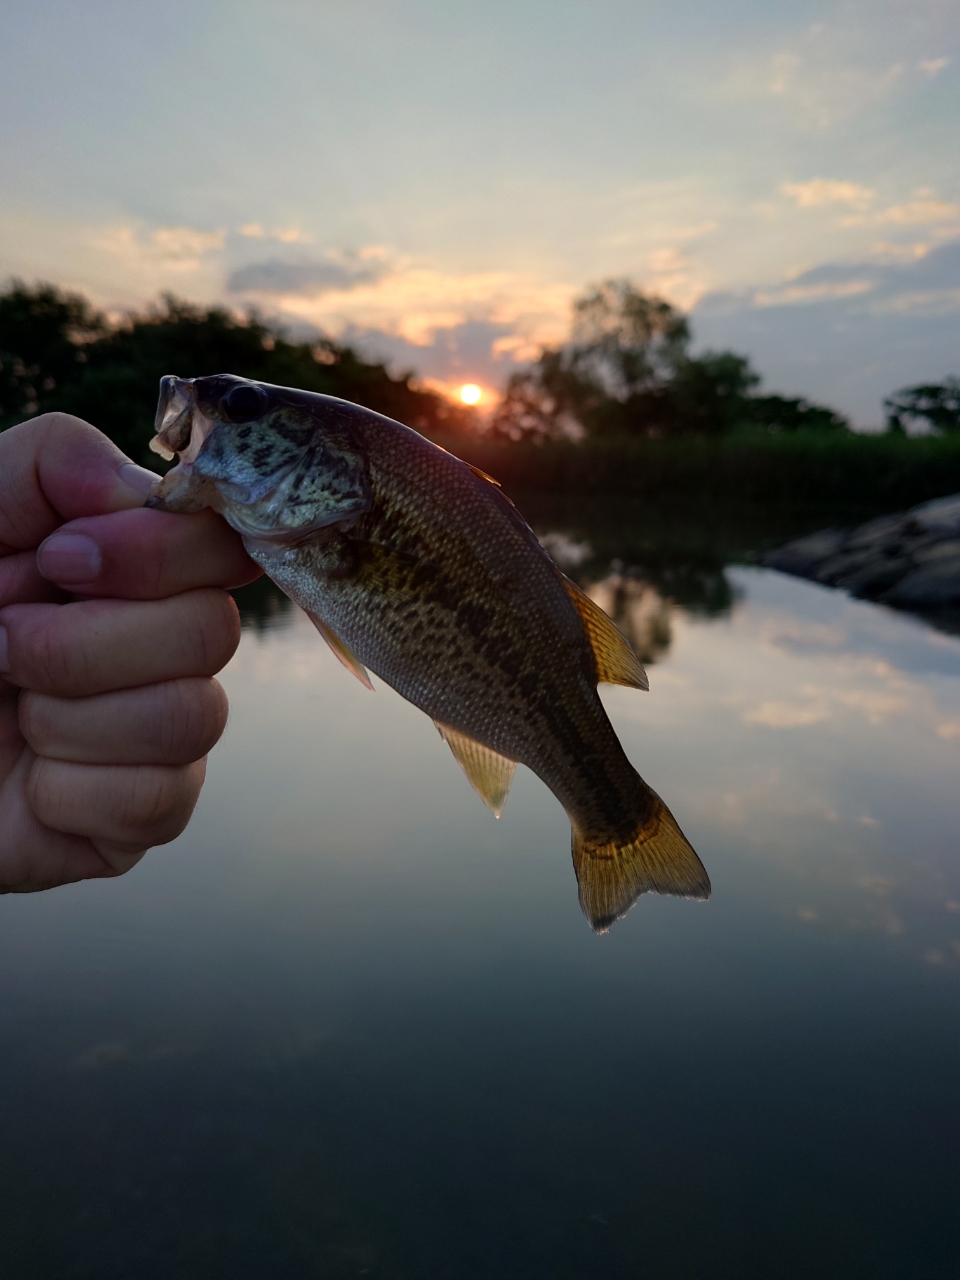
<point>437,179</point>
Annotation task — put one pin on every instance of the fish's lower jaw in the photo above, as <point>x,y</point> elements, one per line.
<point>182,491</point>
<point>656,858</point>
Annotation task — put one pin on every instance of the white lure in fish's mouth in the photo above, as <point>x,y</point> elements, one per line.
<point>182,427</point>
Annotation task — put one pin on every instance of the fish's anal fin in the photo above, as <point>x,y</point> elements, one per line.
<point>346,656</point>
<point>657,858</point>
<point>488,772</point>
<point>616,661</point>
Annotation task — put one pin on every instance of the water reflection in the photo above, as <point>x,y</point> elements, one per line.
<point>350,1023</point>
<point>263,606</point>
<point>638,609</point>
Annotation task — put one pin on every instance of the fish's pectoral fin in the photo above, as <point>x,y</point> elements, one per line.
<point>346,656</point>
<point>488,772</point>
<point>616,661</point>
<point>657,857</point>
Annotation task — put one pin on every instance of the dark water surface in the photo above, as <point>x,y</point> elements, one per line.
<point>351,1025</point>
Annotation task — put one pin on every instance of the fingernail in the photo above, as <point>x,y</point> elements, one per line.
<point>69,558</point>
<point>4,659</point>
<point>138,478</point>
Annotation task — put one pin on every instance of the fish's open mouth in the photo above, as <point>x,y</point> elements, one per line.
<point>181,425</point>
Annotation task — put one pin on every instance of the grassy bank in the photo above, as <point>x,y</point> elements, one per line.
<point>874,473</point>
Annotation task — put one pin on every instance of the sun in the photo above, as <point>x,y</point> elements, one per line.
<point>470,393</point>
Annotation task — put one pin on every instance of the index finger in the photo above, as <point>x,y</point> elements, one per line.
<point>145,555</point>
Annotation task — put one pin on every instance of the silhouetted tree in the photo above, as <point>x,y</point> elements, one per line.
<point>778,414</point>
<point>45,337</point>
<point>626,341</point>
<point>708,394</point>
<point>934,405</point>
<point>626,371</point>
<point>59,353</point>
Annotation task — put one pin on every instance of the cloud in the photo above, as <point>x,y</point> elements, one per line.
<point>481,351</point>
<point>416,303</point>
<point>825,191</point>
<point>933,66</point>
<point>847,333</point>
<point>784,715</point>
<point>930,272</point>
<point>310,278</point>
<point>924,208</point>
<point>820,79</point>
<point>176,248</point>
<point>876,705</point>
<point>789,293</point>
<point>286,235</point>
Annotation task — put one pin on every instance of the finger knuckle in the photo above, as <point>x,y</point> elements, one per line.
<point>36,718</point>
<point>49,662</point>
<point>215,629</point>
<point>193,720</point>
<point>159,801</point>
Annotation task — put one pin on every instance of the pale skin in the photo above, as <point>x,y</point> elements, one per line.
<point>113,622</point>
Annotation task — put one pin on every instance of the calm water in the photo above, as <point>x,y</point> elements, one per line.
<point>351,1025</point>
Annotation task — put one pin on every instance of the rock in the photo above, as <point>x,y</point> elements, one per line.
<point>909,559</point>
<point>938,551</point>
<point>879,530</point>
<point>835,569</point>
<point>802,557</point>
<point>876,578</point>
<point>934,586</point>
<point>941,513</point>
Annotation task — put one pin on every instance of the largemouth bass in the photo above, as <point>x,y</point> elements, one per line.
<point>414,565</point>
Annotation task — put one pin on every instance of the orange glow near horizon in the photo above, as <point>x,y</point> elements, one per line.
<point>470,393</point>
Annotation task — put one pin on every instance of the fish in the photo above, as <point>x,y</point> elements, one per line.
<point>415,566</point>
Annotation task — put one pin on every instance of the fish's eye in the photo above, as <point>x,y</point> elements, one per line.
<point>243,403</point>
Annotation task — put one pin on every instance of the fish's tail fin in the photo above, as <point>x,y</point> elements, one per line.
<point>613,872</point>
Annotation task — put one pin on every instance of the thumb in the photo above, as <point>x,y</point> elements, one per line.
<point>56,468</point>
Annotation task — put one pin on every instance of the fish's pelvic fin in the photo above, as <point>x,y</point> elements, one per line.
<point>616,661</point>
<point>488,772</point>
<point>346,656</point>
<point>612,874</point>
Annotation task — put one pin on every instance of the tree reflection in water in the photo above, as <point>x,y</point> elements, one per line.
<point>639,560</point>
<point>638,609</point>
<point>263,606</point>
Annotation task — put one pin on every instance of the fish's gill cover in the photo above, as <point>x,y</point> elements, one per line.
<point>300,474</point>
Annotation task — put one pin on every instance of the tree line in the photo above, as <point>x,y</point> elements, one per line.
<point>625,373</point>
<point>57,351</point>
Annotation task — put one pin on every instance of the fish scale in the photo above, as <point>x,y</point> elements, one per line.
<point>416,566</point>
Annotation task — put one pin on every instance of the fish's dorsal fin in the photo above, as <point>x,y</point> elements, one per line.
<point>346,656</point>
<point>488,772</point>
<point>616,661</point>
<point>482,474</point>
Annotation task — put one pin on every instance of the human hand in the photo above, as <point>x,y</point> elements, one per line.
<point>113,621</point>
